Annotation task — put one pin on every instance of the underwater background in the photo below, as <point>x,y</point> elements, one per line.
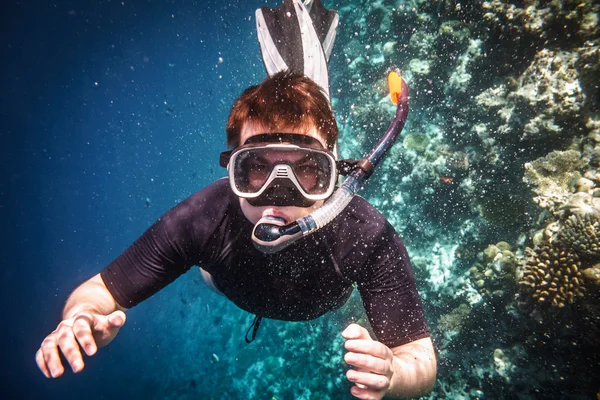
<point>114,111</point>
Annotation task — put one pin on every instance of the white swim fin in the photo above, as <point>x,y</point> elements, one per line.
<point>298,36</point>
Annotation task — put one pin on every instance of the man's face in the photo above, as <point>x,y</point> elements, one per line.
<point>288,213</point>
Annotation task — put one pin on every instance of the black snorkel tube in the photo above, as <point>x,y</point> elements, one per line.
<point>271,235</point>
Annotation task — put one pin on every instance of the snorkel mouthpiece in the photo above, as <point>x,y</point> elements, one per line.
<point>271,235</point>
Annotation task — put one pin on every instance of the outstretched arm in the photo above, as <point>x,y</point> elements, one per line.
<point>91,296</point>
<point>408,370</point>
<point>91,319</point>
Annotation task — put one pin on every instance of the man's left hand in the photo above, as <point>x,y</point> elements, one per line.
<point>373,362</point>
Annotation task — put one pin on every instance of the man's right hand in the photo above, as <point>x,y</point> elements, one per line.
<point>84,329</point>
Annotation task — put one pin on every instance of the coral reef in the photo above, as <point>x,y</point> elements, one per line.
<point>592,278</point>
<point>451,324</point>
<point>581,204</point>
<point>546,19</point>
<point>540,108</point>
<point>582,233</point>
<point>552,277</point>
<point>506,96</point>
<point>553,177</point>
<point>554,274</point>
<point>496,276</point>
<point>416,142</point>
<point>503,365</point>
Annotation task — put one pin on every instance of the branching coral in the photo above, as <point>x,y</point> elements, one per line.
<point>582,232</point>
<point>552,278</point>
<point>558,271</point>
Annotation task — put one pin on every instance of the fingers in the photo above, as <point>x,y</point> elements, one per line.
<point>48,359</point>
<point>368,380</point>
<point>367,385</point>
<point>368,363</point>
<point>117,319</point>
<point>355,331</point>
<point>372,360</point>
<point>87,330</point>
<point>70,348</point>
<point>83,332</point>
<point>372,378</point>
<point>41,363</point>
<point>371,347</point>
<point>366,394</point>
<point>66,339</point>
<point>105,328</point>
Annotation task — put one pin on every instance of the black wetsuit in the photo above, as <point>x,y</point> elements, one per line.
<point>301,282</point>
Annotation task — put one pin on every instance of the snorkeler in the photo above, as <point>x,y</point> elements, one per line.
<point>252,235</point>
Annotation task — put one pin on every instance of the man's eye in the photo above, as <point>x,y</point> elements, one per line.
<point>255,167</point>
<point>307,168</point>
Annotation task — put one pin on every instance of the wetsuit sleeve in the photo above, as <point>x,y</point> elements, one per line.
<point>381,267</point>
<point>166,250</point>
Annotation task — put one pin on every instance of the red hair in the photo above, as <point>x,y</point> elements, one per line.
<point>284,101</point>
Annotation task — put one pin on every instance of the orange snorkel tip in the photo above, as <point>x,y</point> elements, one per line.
<point>395,86</point>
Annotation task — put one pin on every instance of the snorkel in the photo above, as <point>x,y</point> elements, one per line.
<point>271,235</point>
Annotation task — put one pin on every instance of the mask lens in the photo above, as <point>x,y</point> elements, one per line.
<point>251,171</point>
<point>253,168</point>
<point>313,173</point>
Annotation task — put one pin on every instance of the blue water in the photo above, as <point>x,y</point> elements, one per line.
<point>111,113</point>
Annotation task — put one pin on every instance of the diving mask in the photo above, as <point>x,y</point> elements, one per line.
<point>281,169</point>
